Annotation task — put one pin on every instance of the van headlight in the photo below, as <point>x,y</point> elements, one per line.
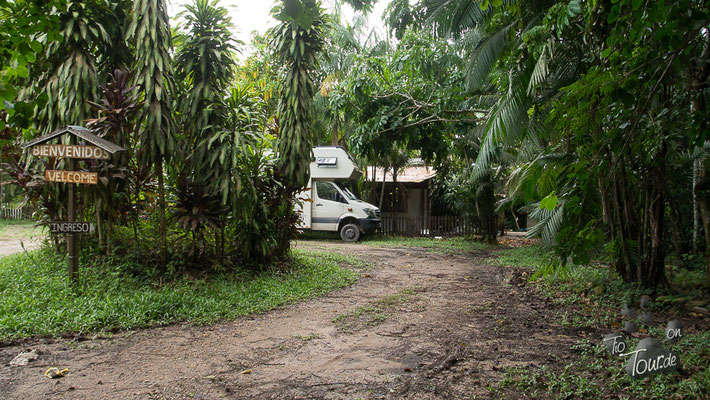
<point>370,212</point>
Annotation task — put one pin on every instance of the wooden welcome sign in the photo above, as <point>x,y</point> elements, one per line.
<point>97,149</point>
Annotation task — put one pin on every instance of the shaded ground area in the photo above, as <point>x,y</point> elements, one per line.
<point>418,325</point>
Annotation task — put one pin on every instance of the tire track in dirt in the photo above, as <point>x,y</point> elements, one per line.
<point>443,326</point>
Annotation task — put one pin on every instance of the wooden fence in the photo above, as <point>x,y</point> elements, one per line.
<point>428,226</point>
<point>8,212</point>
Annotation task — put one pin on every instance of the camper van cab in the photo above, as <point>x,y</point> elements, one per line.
<point>327,205</point>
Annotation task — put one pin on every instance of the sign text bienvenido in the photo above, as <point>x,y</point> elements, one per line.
<point>90,178</point>
<point>70,151</point>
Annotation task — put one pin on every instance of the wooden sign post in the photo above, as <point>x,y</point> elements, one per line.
<point>101,150</point>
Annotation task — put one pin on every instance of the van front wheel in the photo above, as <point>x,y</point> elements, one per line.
<point>350,233</point>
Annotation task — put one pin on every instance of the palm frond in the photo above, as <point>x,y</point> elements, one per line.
<point>470,39</point>
<point>484,56</point>
<point>698,152</point>
<point>505,124</point>
<point>549,222</point>
<point>542,66</point>
<point>453,17</point>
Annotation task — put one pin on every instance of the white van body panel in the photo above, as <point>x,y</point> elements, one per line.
<point>330,163</point>
<point>326,210</point>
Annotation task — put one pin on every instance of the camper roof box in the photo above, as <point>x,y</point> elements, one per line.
<point>330,162</point>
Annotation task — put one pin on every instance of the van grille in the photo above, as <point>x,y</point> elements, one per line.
<point>377,213</point>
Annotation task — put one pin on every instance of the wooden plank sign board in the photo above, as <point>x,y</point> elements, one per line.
<point>70,151</point>
<point>70,227</point>
<point>90,178</point>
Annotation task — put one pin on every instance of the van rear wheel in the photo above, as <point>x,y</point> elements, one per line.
<point>350,233</point>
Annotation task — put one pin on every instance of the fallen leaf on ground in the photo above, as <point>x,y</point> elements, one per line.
<point>54,373</point>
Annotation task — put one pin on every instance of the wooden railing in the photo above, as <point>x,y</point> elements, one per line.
<point>428,226</point>
<point>10,213</point>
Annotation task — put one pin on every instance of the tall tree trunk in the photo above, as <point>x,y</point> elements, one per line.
<point>655,271</point>
<point>109,227</point>
<point>702,188</point>
<point>161,212</point>
<point>135,213</point>
<point>697,219</point>
<point>679,245</point>
<point>395,192</point>
<point>220,243</point>
<point>515,218</point>
<point>605,202</point>
<point>485,205</point>
<point>382,190</point>
<point>644,241</point>
<point>343,133</point>
<point>699,107</point>
<point>373,185</point>
<point>99,228</point>
<point>623,262</point>
<point>336,127</point>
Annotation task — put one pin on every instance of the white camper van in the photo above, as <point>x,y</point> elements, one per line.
<point>327,205</point>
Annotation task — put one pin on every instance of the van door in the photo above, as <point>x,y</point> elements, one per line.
<point>328,206</point>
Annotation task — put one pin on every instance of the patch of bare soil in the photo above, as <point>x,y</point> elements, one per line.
<point>12,246</point>
<point>418,325</point>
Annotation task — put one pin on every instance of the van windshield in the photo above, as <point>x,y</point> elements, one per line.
<point>346,192</point>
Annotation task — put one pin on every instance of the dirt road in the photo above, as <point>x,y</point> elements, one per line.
<point>417,325</point>
<point>12,246</point>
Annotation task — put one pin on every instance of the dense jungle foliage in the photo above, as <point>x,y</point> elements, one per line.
<point>589,116</point>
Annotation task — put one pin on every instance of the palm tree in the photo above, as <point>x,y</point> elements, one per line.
<point>517,92</point>
<point>73,74</point>
<point>150,33</point>
<point>297,42</point>
<point>206,63</point>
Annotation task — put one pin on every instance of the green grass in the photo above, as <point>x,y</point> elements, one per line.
<point>445,245</point>
<point>38,301</point>
<point>20,229</point>
<point>590,297</point>
<point>532,257</point>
